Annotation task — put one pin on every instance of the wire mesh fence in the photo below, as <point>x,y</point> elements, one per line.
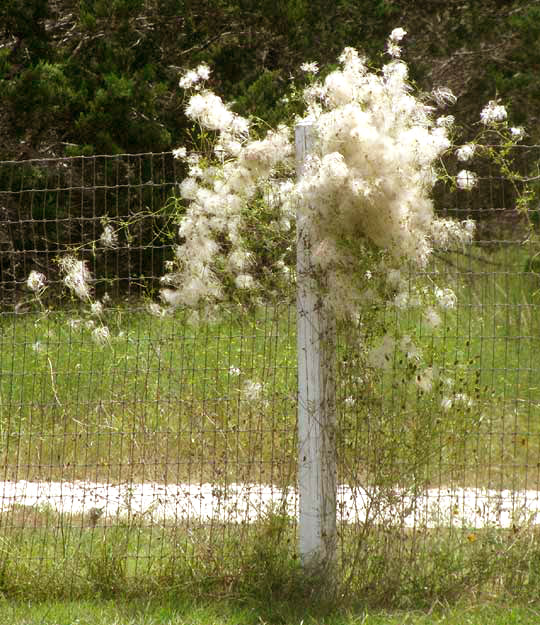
<point>166,439</point>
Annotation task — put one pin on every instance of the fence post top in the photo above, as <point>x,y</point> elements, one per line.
<point>306,121</point>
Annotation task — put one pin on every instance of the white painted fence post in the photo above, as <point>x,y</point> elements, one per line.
<point>316,399</point>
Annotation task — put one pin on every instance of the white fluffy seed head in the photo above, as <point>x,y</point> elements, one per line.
<point>370,123</point>
<point>466,152</point>
<point>101,335</point>
<point>366,186</point>
<point>36,281</point>
<point>397,34</point>
<point>493,113</point>
<point>466,180</point>
<point>76,276</point>
<point>109,238</point>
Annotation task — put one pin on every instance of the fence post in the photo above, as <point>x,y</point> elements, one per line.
<point>316,399</point>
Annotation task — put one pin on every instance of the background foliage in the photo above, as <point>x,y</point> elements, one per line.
<point>86,77</point>
<point>96,76</point>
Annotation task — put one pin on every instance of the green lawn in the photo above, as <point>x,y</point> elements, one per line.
<point>149,613</point>
<point>168,401</point>
<point>161,401</point>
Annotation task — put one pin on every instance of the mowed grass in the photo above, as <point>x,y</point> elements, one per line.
<point>494,336</point>
<point>168,401</point>
<point>162,400</point>
<point>144,613</point>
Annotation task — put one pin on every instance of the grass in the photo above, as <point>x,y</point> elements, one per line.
<point>172,613</point>
<point>162,401</point>
<point>496,333</point>
<point>52,556</point>
<point>170,402</point>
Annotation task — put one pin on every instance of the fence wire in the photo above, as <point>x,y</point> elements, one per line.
<point>167,435</point>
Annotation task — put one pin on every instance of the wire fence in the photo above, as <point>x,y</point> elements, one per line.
<point>171,438</point>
